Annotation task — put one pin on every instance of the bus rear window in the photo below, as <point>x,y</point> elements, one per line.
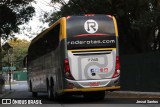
<point>99,24</point>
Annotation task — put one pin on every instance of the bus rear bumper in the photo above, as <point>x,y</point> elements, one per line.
<point>92,85</point>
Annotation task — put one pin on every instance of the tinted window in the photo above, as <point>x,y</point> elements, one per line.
<point>77,25</point>
<point>47,43</point>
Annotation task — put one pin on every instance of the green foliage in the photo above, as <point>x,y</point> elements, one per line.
<point>12,14</point>
<point>20,48</point>
<point>79,7</point>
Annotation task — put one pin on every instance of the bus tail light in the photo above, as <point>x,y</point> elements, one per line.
<point>117,70</point>
<point>89,15</point>
<point>68,17</point>
<point>67,70</point>
<point>110,16</point>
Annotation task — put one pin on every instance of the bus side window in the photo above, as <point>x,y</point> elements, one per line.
<point>52,39</point>
<point>47,43</point>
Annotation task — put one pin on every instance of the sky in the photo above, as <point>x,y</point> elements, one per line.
<point>32,28</point>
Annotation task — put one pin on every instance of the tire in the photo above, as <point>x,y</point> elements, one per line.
<point>50,92</point>
<point>55,95</point>
<point>30,87</point>
<point>34,94</point>
<point>97,95</point>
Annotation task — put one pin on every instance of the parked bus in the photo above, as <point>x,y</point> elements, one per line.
<point>75,55</point>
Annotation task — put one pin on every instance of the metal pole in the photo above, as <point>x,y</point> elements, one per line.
<point>10,80</point>
<point>9,72</point>
<point>11,65</point>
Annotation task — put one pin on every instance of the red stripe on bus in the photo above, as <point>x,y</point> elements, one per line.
<point>92,35</point>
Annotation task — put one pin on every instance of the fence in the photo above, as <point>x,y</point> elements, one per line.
<point>20,76</point>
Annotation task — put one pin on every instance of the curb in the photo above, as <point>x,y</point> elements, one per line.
<point>138,93</point>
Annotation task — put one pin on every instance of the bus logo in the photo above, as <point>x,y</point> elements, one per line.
<point>91,26</point>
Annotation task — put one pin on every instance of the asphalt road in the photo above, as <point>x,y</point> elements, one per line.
<point>20,91</point>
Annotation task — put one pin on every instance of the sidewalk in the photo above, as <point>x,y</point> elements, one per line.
<point>133,94</point>
<point>140,93</point>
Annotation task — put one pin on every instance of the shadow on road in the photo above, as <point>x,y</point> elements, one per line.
<point>79,99</point>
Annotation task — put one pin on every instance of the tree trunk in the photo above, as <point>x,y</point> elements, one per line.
<point>0,56</point>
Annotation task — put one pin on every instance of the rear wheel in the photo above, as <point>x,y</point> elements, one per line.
<point>34,94</point>
<point>55,95</point>
<point>97,95</point>
<point>50,92</point>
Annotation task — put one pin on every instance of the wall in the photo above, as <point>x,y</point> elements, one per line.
<point>141,72</point>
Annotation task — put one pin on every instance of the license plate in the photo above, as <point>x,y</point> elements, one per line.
<point>94,84</point>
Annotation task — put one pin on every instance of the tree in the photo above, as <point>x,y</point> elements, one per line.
<point>137,23</point>
<point>20,48</point>
<point>12,14</point>
<point>79,7</point>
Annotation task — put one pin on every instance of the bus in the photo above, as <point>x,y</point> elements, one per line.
<point>75,55</point>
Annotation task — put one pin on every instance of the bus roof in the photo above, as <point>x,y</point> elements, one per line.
<point>61,21</point>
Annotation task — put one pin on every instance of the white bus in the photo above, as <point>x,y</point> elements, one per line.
<point>75,55</point>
